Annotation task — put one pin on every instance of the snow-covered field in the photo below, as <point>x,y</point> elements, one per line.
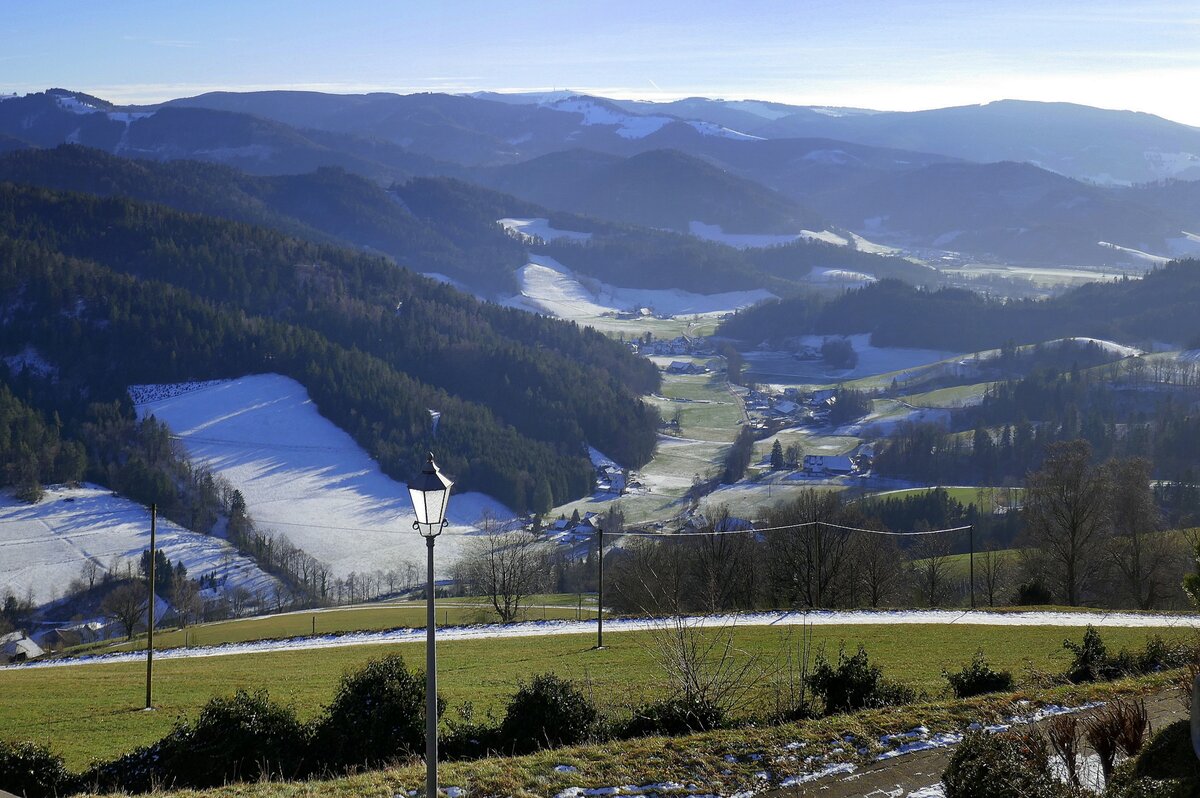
<point>843,278</point>
<point>781,368</point>
<point>714,232</point>
<point>781,619</point>
<point>301,475</point>
<point>540,228</point>
<point>885,423</point>
<point>43,546</point>
<point>549,287</point>
<point>1157,260</point>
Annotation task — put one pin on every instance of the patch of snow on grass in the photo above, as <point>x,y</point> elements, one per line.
<point>302,476</point>
<point>540,228</point>
<point>828,770</point>
<point>43,546</point>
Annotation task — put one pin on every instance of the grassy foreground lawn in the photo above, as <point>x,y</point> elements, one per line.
<point>87,712</point>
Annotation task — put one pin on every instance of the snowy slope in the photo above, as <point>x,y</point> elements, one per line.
<point>301,475</point>
<point>541,229</point>
<point>629,126</point>
<point>549,287</point>
<point>43,546</point>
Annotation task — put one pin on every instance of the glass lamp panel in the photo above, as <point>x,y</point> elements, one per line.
<point>418,503</point>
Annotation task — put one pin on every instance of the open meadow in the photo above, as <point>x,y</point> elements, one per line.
<point>95,710</point>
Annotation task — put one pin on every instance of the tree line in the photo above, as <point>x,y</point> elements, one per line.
<point>1158,307</point>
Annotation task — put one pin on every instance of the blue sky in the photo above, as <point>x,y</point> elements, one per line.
<point>887,54</point>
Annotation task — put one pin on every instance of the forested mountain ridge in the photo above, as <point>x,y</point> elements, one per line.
<point>437,225</point>
<point>659,188</point>
<point>1158,307</point>
<point>329,205</point>
<point>103,331</point>
<point>551,380</point>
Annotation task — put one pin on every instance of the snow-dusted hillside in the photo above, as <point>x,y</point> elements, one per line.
<point>43,546</point>
<point>549,287</point>
<point>301,475</point>
<point>540,228</point>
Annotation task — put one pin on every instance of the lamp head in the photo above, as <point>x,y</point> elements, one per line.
<point>430,494</point>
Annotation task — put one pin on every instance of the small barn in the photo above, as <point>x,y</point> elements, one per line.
<point>17,647</point>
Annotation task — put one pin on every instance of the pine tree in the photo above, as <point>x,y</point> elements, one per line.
<point>777,456</point>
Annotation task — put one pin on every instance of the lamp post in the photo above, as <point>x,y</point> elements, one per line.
<point>430,493</point>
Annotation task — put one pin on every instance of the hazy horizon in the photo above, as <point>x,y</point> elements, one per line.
<point>870,54</point>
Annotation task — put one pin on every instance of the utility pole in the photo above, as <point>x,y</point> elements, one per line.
<point>820,563</point>
<point>972,561</point>
<point>150,611</point>
<point>600,586</point>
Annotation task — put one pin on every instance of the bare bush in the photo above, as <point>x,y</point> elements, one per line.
<point>702,665</point>
<point>1063,732</point>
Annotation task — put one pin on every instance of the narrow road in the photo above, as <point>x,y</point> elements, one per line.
<point>908,774</point>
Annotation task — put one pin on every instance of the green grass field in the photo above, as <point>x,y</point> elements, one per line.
<point>94,711</point>
<point>365,618</point>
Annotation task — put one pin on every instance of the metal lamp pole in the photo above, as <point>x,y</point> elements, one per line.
<point>430,494</point>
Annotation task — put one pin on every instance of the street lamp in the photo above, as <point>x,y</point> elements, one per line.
<point>430,493</point>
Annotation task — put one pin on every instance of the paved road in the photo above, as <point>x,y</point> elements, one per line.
<point>904,775</point>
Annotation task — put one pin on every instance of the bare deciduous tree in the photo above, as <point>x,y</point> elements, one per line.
<point>126,604</point>
<point>993,569</point>
<point>722,564</point>
<point>1142,560</point>
<point>931,566</point>
<point>507,567</point>
<point>806,562</point>
<point>1066,516</point>
<point>880,567</point>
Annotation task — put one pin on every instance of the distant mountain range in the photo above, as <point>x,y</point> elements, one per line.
<point>1013,181</point>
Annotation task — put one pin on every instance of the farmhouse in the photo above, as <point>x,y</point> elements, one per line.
<point>828,464</point>
<point>17,647</point>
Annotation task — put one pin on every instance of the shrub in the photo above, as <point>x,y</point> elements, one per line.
<point>376,717</point>
<point>243,738</point>
<point>467,738</point>
<point>1032,593</point>
<point>31,770</point>
<point>546,713</point>
<point>1165,768</point>
<point>1007,765</point>
<point>854,683</point>
<point>674,716</point>
<point>977,678</point>
<point>1091,662</point>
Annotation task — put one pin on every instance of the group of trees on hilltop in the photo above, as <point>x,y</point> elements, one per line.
<point>1160,306</point>
<point>1011,427</point>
